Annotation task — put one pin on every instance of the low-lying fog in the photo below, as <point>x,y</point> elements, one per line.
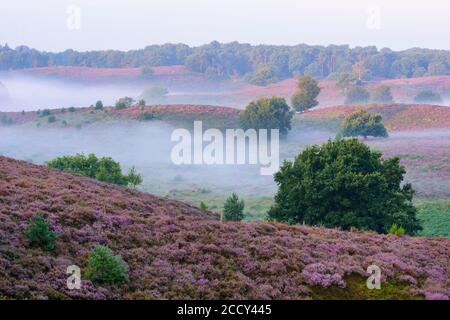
<point>20,92</point>
<point>148,146</point>
<point>29,94</point>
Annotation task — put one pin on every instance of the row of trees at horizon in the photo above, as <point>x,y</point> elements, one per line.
<point>261,64</point>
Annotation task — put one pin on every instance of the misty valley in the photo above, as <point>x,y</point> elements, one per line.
<point>138,164</point>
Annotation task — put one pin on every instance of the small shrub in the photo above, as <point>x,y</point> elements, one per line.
<point>141,103</point>
<point>124,103</point>
<point>98,105</point>
<point>263,76</point>
<point>147,116</point>
<point>396,230</point>
<point>45,112</point>
<point>305,96</point>
<point>105,268</point>
<point>233,209</point>
<point>134,178</point>
<point>356,95</point>
<point>363,123</point>
<point>203,206</point>
<point>72,109</point>
<point>51,119</point>
<point>39,233</point>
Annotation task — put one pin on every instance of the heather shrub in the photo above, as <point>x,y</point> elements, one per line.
<point>105,268</point>
<point>345,184</point>
<point>39,233</point>
<point>233,209</point>
<point>396,230</point>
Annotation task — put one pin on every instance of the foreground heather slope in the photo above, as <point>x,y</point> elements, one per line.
<point>176,251</point>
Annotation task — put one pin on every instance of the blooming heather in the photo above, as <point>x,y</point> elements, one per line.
<point>176,251</point>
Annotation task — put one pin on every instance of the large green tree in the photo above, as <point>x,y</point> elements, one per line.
<point>305,96</point>
<point>267,113</point>
<point>365,124</point>
<point>345,184</point>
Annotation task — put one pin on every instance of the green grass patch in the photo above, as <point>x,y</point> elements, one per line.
<point>435,218</point>
<point>357,290</point>
<point>412,156</point>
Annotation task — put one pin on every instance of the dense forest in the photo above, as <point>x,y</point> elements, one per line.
<point>260,64</point>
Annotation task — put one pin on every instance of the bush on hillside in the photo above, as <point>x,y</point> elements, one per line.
<point>233,209</point>
<point>365,124</point>
<point>267,113</point>
<point>357,95</point>
<point>39,233</point>
<point>305,96</point>
<point>345,184</point>
<point>105,268</point>
<point>124,103</point>
<point>98,105</point>
<point>263,76</point>
<point>103,169</point>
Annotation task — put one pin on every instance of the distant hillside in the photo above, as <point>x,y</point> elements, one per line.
<point>396,117</point>
<point>176,251</point>
<point>187,86</point>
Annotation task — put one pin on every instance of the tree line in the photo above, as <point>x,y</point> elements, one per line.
<point>261,64</point>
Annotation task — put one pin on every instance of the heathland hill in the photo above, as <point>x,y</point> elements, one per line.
<point>173,250</point>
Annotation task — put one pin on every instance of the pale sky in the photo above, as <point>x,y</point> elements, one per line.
<point>52,25</point>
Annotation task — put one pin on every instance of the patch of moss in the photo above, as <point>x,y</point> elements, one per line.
<point>357,290</point>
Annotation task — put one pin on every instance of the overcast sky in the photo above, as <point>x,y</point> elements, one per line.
<point>56,25</point>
